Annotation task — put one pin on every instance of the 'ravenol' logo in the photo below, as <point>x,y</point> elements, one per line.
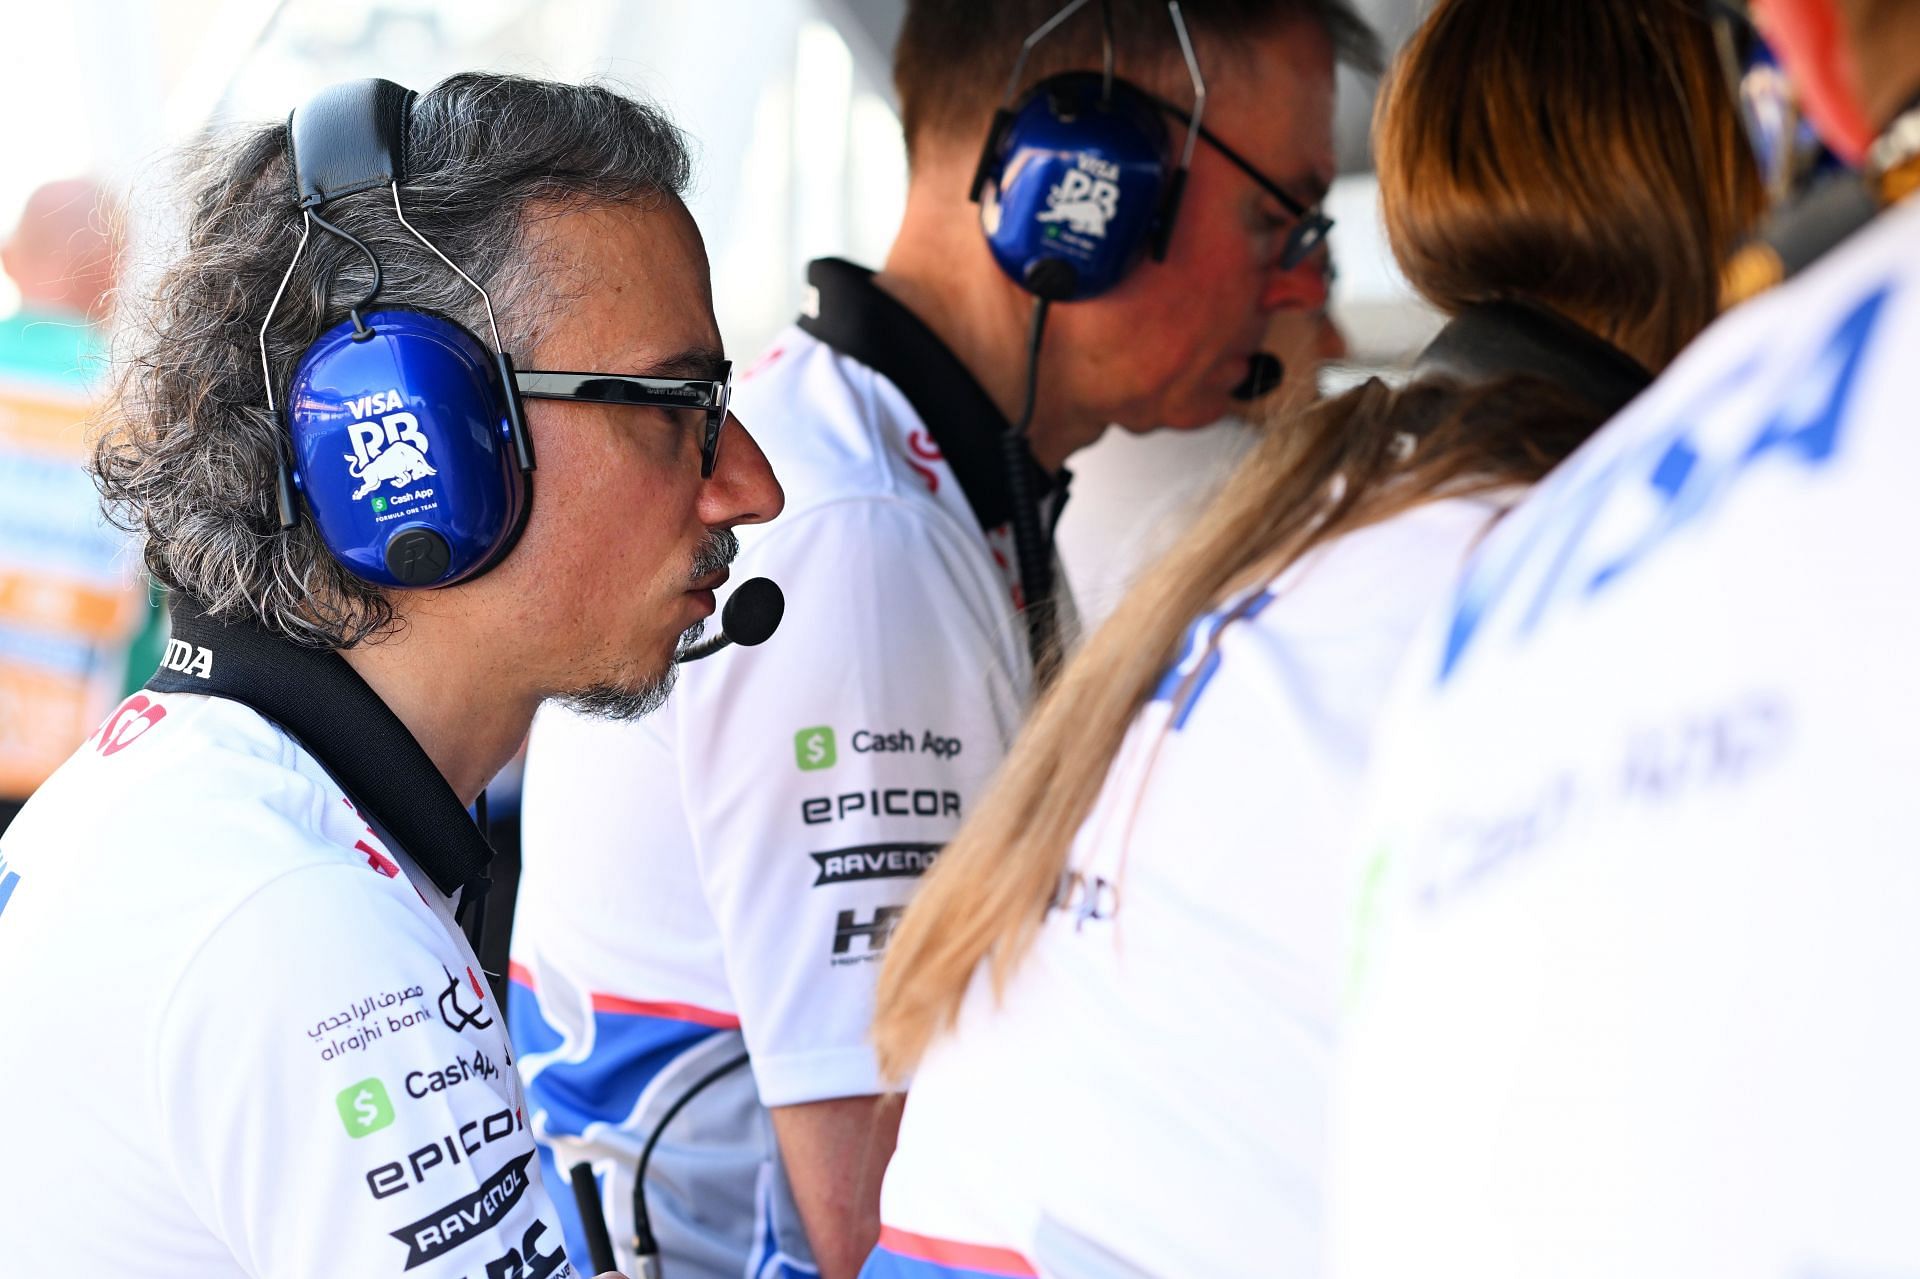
<point>364,1107</point>
<point>813,749</point>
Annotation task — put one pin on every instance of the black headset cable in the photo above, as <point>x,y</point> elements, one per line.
<point>1032,552</point>
<point>646,1249</point>
<point>360,329</point>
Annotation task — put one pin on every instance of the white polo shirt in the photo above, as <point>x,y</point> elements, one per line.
<point>1638,936</point>
<point>1150,1097</point>
<point>730,868</point>
<point>242,1035</point>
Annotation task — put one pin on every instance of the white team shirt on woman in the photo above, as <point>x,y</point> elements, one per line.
<point>242,1034</point>
<point>1638,949</point>
<point>1152,1089</point>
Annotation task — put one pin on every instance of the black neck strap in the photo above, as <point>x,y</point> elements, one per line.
<point>320,702</point>
<point>859,319</point>
<point>1500,339</point>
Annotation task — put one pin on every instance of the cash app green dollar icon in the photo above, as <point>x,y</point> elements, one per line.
<point>813,748</point>
<point>364,1107</point>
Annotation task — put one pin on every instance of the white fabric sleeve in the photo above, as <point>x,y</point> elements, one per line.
<point>337,1097</point>
<point>824,770</point>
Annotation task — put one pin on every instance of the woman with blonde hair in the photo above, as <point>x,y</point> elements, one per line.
<point>1116,992</point>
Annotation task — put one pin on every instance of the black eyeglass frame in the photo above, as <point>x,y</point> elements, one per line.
<point>714,396</point>
<point>1311,224</point>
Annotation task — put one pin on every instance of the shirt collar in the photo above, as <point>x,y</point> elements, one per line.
<point>1497,339</point>
<point>324,705</point>
<point>859,319</point>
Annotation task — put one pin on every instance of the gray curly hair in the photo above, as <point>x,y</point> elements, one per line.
<point>188,457</point>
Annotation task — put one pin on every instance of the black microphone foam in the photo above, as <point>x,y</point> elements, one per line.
<point>752,615</point>
<point>1264,374</point>
<point>753,612</point>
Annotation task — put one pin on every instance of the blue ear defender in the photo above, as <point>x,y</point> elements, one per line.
<point>1074,192</point>
<point>404,433</point>
<point>404,450</point>
<point>1078,181</point>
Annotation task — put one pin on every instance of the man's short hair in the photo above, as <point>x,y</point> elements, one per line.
<point>187,459</point>
<point>951,63</point>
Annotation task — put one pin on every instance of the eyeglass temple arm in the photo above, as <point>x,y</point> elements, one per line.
<point>516,420</point>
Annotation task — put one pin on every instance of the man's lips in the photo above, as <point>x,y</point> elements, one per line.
<point>711,582</point>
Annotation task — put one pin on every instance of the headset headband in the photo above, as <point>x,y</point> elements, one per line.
<point>414,368</point>
<point>349,137</point>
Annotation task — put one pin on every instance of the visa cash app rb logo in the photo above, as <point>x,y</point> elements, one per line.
<point>390,449</point>
<point>813,749</point>
<point>1087,198</point>
<point>364,1107</point>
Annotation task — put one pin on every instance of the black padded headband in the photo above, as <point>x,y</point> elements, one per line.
<point>349,137</point>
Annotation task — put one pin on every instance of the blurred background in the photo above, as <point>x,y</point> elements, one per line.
<point>789,106</point>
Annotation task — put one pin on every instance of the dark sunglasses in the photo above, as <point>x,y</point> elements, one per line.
<point>710,396</point>
<point>1310,225</point>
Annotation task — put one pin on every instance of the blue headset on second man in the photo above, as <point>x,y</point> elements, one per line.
<point>1078,180</point>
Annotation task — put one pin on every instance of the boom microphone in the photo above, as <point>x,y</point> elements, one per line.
<point>752,615</point>
<point>1264,374</point>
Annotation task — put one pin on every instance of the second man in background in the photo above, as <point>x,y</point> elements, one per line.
<point>732,868</point>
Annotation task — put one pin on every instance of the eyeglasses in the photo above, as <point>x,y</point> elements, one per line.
<point>711,396</point>
<point>1310,225</point>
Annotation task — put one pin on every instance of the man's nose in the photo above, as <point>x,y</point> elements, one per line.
<point>742,488</point>
<point>1330,340</point>
<point>1300,288</point>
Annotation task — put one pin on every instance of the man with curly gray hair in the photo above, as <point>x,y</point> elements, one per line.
<point>250,1034</point>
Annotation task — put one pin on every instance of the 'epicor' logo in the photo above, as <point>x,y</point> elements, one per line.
<point>392,450</point>
<point>1087,198</point>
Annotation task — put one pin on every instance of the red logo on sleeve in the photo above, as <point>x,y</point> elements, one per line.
<point>921,445</point>
<point>377,859</point>
<point>129,723</point>
<point>764,363</point>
